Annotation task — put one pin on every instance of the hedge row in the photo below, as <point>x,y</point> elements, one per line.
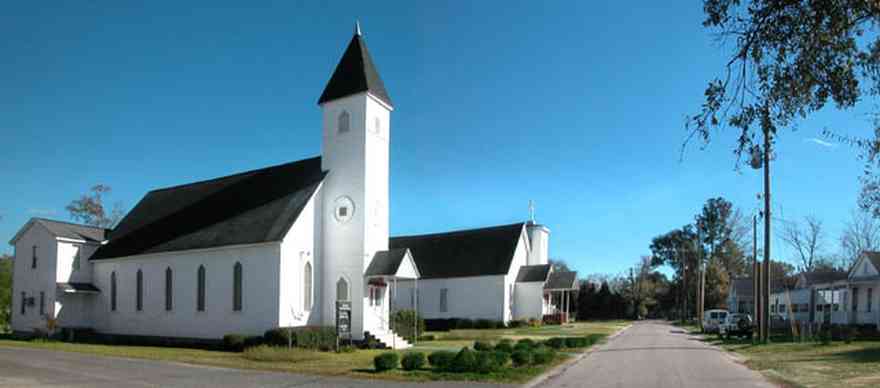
<point>484,358</point>
<point>308,337</point>
<point>462,323</point>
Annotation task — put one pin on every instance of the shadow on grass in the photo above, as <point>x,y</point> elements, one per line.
<point>871,354</point>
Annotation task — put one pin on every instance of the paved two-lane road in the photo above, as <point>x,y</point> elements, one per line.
<point>656,355</point>
<point>649,354</point>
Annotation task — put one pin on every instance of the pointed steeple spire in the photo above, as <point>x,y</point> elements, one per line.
<point>355,73</point>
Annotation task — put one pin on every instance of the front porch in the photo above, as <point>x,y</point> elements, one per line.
<point>381,278</point>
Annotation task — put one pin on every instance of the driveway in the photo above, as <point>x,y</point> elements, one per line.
<point>657,355</point>
<point>21,367</point>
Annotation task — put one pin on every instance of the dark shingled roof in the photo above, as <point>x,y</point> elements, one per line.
<point>475,252</point>
<point>386,262</point>
<point>77,287</point>
<point>561,280</point>
<point>824,277</point>
<point>354,74</point>
<point>533,273</point>
<point>73,231</point>
<point>874,257</point>
<point>250,207</point>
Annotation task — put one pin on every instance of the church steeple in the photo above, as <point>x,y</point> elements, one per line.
<point>355,73</point>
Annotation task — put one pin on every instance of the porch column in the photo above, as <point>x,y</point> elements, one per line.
<point>416,302</point>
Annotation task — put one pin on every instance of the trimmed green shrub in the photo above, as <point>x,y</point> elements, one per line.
<point>404,321</point>
<point>503,346</point>
<point>441,360</point>
<point>543,355</point>
<point>484,362</point>
<point>464,323</point>
<point>464,361</point>
<point>254,340</point>
<point>555,342</point>
<point>501,358</point>
<point>386,361</point>
<point>413,361</point>
<point>309,337</point>
<point>482,346</point>
<point>517,323</point>
<point>234,342</point>
<point>266,353</point>
<point>427,338</point>
<point>487,324</point>
<point>527,342</point>
<point>521,357</point>
<point>577,342</point>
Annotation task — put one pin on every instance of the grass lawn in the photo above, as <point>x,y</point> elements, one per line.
<point>812,364</point>
<point>356,364</point>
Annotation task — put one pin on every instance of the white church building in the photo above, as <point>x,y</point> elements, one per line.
<point>279,246</point>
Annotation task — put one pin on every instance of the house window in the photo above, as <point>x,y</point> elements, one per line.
<point>343,122</point>
<point>169,289</point>
<point>443,300</point>
<point>76,258</point>
<point>200,289</point>
<point>140,291</point>
<point>855,299</point>
<point>23,302</point>
<point>34,257</point>
<point>341,289</point>
<point>870,299</point>
<point>113,291</point>
<point>376,295</point>
<point>307,287</point>
<point>236,287</point>
<point>42,303</point>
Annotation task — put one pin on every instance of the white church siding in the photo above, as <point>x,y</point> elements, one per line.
<point>32,281</point>
<point>357,161</point>
<point>529,300</point>
<point>260,268</point>
<point>520,258</point>
<point>298,249</point>
<point>478,297</point>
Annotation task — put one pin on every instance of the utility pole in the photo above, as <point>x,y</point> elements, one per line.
<point>766,281</point>
<point>684,293</point>
<point>702,269</point>
<point>756,282</point>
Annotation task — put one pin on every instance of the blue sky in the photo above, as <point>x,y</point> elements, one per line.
<point>578,106</point>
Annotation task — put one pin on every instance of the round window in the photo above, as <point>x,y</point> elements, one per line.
<point>343,210</point>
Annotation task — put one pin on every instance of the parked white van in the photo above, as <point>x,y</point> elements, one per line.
<point>712,319</point>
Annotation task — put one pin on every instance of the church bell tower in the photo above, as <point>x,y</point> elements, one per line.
<point>356,112</point>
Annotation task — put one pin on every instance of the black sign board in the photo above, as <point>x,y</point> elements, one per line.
<point>343,318</point>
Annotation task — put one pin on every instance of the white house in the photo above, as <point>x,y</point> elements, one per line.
<point>277,246</point>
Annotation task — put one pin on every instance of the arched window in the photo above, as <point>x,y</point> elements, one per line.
<point>307,287</point>
<point>236,287</point>
<point>169,289</point>
<point>113,291</point>
<point>341,289</point>
<point>343,122</point>
<point>140,291</point>
<point>200,291</point>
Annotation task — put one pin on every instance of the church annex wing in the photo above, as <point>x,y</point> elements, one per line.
<point>464,253</point>
<point>246,208</point>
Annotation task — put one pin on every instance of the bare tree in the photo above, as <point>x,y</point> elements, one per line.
<point>861,233</point>
<point>90,210</point>
<point>806,239</point>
